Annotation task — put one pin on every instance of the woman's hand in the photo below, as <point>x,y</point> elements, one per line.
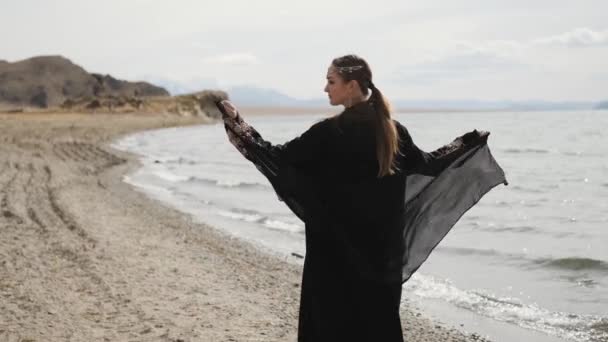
<point>475,136</point>
<point>229,109</point>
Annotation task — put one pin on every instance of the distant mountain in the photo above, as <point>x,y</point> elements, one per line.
<point>253,96</point>
<point>530,105</point>
<point>602,105</point>
<point>49,81</point>
<point>549,105</point>
<point>183,87</point>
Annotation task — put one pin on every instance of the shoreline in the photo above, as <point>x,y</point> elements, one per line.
<point>332,110</point>
<point>85,256</point>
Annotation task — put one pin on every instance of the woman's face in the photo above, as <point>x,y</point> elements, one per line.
<point>337,90</point>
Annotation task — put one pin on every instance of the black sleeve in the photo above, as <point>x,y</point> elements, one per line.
<point>433,163</point>
<point>301,150</point>
<point>284,165</point>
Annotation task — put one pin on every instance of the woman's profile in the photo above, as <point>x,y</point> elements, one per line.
<point>374,204</point>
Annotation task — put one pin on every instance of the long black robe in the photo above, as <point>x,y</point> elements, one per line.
<point>365,235</point>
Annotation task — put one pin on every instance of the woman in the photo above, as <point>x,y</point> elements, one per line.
<point>374,205</point>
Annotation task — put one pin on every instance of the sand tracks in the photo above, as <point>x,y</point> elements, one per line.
<point>44,248</point>
<point>85,153</point>
<point>28,190</point>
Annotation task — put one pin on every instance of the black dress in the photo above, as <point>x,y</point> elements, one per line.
<point>365,235</point>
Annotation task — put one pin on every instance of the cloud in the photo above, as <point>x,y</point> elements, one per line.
<point>463,61</point>
<point>580,37</point>
<point>493,60</point>
<point>499,48</point>
<point>233,59</point>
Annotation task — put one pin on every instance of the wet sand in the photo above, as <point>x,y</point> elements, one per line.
<point>85,257</point>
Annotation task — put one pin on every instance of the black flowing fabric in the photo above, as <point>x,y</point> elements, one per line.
<point>365,235</point>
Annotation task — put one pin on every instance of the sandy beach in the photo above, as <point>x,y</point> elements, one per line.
<point>85,257</point>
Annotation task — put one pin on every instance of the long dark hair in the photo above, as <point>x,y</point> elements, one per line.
<point>353,67</point>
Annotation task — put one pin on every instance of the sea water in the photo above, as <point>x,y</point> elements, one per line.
<point>528,262</point>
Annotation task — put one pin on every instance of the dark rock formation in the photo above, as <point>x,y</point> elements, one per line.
<point>50,81</point>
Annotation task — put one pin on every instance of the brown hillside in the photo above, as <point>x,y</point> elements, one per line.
<point>48,81</point>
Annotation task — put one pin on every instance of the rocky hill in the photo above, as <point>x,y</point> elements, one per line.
<point>196,104</point>
<point>50,81</point>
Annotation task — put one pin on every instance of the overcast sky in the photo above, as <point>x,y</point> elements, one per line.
<point>427,49</point>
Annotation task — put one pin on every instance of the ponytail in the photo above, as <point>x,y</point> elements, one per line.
<point>387,139</point>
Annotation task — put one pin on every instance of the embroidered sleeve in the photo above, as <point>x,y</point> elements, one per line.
<point>433,163</point>
<point>241,134</point>
<point>284,165</point>
<point>302,150</point>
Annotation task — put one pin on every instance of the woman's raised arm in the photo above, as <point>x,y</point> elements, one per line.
<point>283,165</point>
<point>433,163</point>
<point>249,142</point>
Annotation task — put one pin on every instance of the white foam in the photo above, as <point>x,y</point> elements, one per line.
<point>153,190</point>
<point>241,216</point>
<point>276,224</point>
<point>169,176</point>
<point>506,309</point>
<point>236,183</point>
<point>264,220</point>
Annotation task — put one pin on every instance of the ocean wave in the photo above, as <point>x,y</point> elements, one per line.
<point>476,225</point>
<point>469,251</point>
<point>536,202</point>
<point>526,189</point>
<point>570,153</point>
<point>227,183</point>
<point>565,264</point>
<point>574,264</point>
<point>581,280</point>
<point>575,180</point>
<point>242,216</point>
<point>528,229</point>
<point>171,177</point>
<point>180,161</point>
<point>512,310</point>
<point>588,153</point>
<point>518,229</point>
<point>550,186</point>
<point>526,150</point>
<point>259,218</point>
<point>150,188</point>
<point>281,225</point>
